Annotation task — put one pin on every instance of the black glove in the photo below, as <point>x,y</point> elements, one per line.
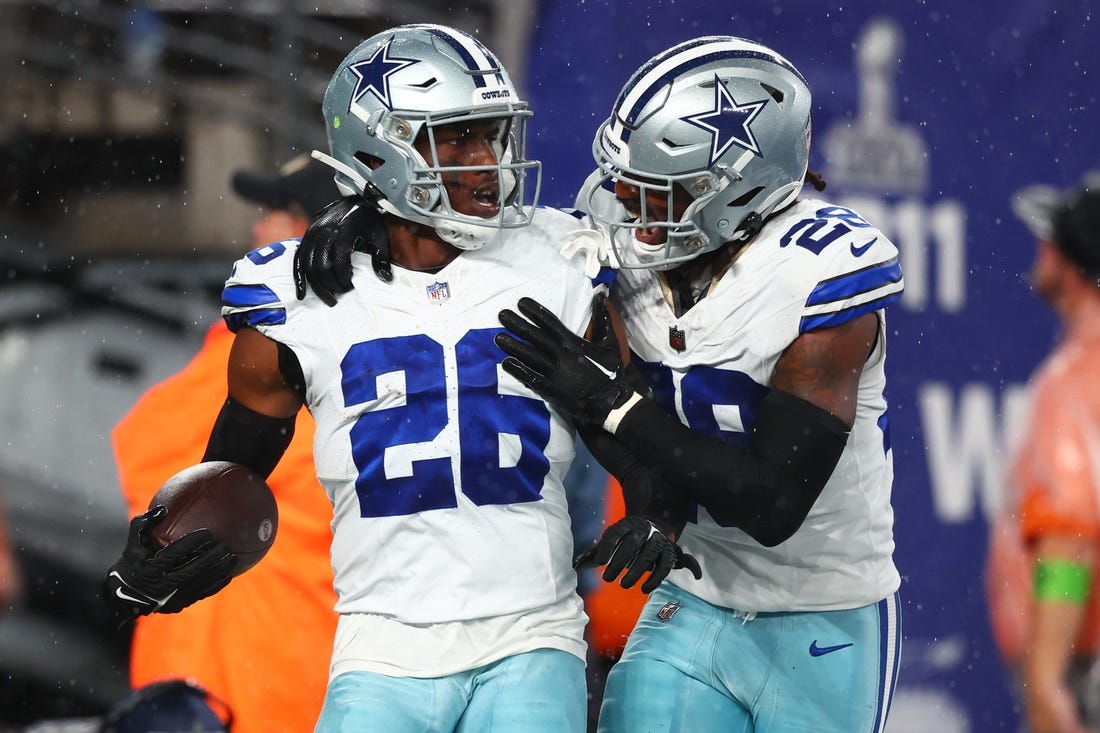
<point>169,580</point>
<point>637,545</point>
<point>322,261</point>
<point>584,378</point>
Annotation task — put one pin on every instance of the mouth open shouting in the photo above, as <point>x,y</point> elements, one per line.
<point>486,199</point>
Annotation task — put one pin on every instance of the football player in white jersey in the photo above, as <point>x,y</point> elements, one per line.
<point>451,539</point>
<point>758,317</point>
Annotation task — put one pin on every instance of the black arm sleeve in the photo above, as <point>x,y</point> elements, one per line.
<point>250,438</point>
<point>767,488</point>
<point>644,492</point>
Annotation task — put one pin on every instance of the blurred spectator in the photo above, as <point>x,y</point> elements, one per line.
<point>1041,574</point>
<point>263,644</point>
<point>11,581</point>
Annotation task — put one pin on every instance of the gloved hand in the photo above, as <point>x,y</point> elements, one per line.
<point>584,378</point>
<point>636,544</point>
<point>322,261</point>
<point>145,580</point>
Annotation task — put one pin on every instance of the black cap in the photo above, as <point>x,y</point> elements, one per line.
<point>169,706</point>
<point>1069,219</point>
<point>303,181</point>
<point>1075,229</point>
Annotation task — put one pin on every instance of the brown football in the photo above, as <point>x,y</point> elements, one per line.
<point>229,499</point>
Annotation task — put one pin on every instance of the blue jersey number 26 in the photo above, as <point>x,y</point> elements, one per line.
<point>483,415</point>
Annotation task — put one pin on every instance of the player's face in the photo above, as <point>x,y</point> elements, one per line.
<point>651,204</point>
<point>474,193</point>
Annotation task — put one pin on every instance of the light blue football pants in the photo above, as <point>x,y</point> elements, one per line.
<point>542,691</point>
<point>692,667</point>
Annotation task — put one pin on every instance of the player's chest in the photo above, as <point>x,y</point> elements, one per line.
<point>721,330</point>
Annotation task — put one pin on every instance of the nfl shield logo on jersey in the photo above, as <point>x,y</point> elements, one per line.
<point>439,292</point>
<point>676,338</point>
<point>668,611</point>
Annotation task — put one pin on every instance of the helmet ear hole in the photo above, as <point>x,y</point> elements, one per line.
<point>776,94</point>
<point>745,198</point>
<point>371,161</point>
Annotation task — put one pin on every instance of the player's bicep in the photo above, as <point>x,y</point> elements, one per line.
<point>255,379</point>
<point>824,366</point>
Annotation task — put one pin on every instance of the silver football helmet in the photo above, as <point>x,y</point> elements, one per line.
<point>406,82</point>
<point>725,118</point>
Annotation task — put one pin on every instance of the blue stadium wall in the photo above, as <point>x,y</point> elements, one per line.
<point>928,118</point>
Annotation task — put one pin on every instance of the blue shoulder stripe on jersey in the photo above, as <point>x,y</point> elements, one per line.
<point>606,276</point>
<point>258,317</point>
<point>852,284</point>
<point>884,426</point>
<point>575,213</point>
<point>836,318</point>
<point>248,296</point>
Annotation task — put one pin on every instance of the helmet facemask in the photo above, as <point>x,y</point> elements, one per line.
<point>426,198</point>
<point>683,239</point>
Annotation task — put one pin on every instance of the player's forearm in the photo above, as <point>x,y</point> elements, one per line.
<point>766,489</point>
<point>1062,578</point>
<point>644,493</point>
<point>1050,707</point>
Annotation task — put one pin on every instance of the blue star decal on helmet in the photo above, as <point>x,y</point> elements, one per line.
<point>373,75</point>
<point>729,123</point>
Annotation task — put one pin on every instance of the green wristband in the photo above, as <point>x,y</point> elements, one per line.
<point>1062,580</point>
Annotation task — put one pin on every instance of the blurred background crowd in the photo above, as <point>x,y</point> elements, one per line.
<point>124,123</point>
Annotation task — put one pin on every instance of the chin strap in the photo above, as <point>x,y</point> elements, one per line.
<point>463,235</point>
<point>595,246</point>
<point>754,222</point>
<point>456,233</point>
<point>360,184</point>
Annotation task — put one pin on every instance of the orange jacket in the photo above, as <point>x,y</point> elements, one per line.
<point>263,644</point>
<point>1055,488</point>
<point>612,609</point>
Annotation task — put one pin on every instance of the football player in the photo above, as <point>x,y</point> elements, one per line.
<point>451,547</point>
<point>758,316</point>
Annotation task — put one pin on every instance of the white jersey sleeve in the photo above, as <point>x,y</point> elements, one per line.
<point>813,266</point>
<point>260,288</point>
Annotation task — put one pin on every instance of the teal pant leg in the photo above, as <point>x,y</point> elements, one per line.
<point>693,667</point>
<point>362,702</point>
<point>665,682</point>
<point>542,691</point>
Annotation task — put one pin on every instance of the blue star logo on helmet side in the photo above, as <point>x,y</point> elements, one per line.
<point>729,123</point>
<point>373,75</point>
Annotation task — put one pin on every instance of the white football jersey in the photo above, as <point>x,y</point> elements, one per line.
<point>812,266</point>
<point>445,473</point>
